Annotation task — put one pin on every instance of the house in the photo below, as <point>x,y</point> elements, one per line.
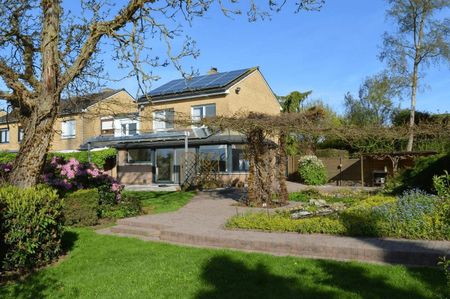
<point>109,112</point>
<point>158,153</point>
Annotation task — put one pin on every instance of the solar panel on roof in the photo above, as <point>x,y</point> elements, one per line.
<point>198,83</point>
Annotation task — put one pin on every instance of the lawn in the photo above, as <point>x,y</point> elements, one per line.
<point>99,266</point>
<point>161,202</point>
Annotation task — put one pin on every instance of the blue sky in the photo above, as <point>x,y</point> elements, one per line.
<point>329,52</point>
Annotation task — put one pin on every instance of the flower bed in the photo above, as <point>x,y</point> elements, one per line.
<point>414,215</point>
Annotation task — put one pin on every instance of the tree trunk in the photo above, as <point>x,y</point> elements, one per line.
<point>413,109</point>
<point>39,120</point>
<point>418,37</point>
<point>259,178</point>
<point>38,134</point>
<point>284,196</point>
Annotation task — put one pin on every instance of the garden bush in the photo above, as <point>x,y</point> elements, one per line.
<point>441,184</point>
<point>81,208</point>
<point>69,176</point>
<point>31,227</point>
<point>99,158</point>
<point>128,206</point>
<point>312,171</point>
<point>7,157</point>
<point>421,176</point>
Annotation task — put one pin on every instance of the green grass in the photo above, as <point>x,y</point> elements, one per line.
<point>113,267</point>
<point>161,202</point>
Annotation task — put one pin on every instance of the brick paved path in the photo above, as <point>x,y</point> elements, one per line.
<point>201,223</point>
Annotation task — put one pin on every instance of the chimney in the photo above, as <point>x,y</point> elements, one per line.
<point>213,70</point>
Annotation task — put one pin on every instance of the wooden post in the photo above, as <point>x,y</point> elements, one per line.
<point>362,171</point>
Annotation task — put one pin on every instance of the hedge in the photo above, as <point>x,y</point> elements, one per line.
<point>99,158</point>
<point>31,227</point>
<point>81,208</point>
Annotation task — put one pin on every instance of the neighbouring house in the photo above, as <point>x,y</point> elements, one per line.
<point>156,155</point>
<point>109,112</point>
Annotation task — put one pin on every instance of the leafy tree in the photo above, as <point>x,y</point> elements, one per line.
<point>401,117</point>
<point>374,103</point>
<point>286,143</point>
<point>292,102</point>
<point>422,37</point>
<point>46,51</point>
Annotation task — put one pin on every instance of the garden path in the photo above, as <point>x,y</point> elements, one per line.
<point>201,223</point>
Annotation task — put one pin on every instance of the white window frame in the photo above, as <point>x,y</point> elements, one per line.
<point>203,107</point>
<point>20,134</point>
<point>6,133</point>
<point>157,122</point>
<point>104,120</point>
<point>119,122</point>
<point>64,128</point>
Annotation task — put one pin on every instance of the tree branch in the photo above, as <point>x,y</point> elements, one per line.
<point>11,78</point>
<point>98,30</point>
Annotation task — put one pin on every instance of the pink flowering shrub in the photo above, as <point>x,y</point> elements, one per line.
<point>5,169</point>
<point>67,176</point>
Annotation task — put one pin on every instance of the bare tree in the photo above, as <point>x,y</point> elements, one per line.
<point>46,51</point>
<point>421,38</point>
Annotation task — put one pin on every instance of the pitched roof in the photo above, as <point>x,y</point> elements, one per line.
<point>79,103</point>
<point>72,105</point>
<point>199,85</point>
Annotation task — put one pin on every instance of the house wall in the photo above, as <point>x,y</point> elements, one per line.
<point>13,144</point>
<point>88,123</point>
<point>254,95</point>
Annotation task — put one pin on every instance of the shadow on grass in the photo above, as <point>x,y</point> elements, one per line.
<point>68,240</point>
<point>230,279</point>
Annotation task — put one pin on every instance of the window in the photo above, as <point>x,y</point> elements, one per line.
<point>4,136</point>
<point>68,129</point>
<point>200,112</point>
<point>239,159</point>
<point>126,127</point>
<point>163,119</point>
<point>143,155</point>
<point>20,134</point>
<point>107,126</point>
<point>216,154</point>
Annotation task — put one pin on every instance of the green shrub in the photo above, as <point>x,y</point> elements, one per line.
<point>441,184</point>
<point>99,158</point>
<point>128,206</point>
<point>32,227</point>
<point>421,176</point>
<point>312,171</point>
<point>7,157</point>
<point>81,208</point>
